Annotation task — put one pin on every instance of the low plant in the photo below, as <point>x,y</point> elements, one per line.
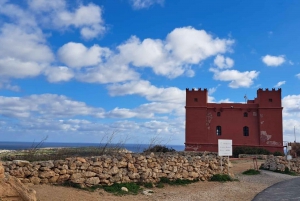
<point>251,172</point>
<point>160,185</point>
<point>148,185</point>
<point>249,150</point>
<point>221,178</point>
<point>278,153</point>
<point>133,188</point>
<point>159,148</point>
<point>165,180</point>
<point>286,171</point>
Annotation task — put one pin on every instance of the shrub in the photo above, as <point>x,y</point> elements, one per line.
<point>221,178</point>
<point>160,185</point>
<point>251,172</point>
<point>133,188</point>
<point>148,185</point>
<point>159,148</point>
<point>249,150</point>
<point>278,153</point>
<point>165,180</point>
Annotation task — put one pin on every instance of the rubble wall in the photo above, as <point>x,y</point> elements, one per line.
<point>120,168</point>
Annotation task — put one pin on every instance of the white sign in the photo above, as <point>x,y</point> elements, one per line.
<point>224,147</point>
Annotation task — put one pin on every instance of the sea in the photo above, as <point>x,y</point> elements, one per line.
<point>136,148</point>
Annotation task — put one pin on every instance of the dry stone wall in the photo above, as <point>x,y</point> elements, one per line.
<point>119,168</point>
<point>280,163</point>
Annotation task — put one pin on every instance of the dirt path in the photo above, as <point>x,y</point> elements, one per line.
<point>244,189</point>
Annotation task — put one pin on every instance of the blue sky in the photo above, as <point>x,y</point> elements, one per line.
<point>80,71</point>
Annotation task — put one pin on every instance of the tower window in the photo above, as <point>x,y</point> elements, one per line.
<point>270,100</point>
<point>196,99</point>
<point>218,130</point>
<point>218,114</point>
<point>246,131</point>
<point>245,114</point>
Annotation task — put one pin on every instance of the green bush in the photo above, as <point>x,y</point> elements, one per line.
<point>251,172</point>
<point>159,148</point>
<point>249,150</point>
<point>133,188</point>
<point>165,180</point>
<point>221,178</point>
<point>278,153</point>
<point>160,185</point>
<point>148,185</point>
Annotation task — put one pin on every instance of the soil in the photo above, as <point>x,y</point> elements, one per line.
<point>244,189</point>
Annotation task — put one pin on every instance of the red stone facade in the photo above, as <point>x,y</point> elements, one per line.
<point>257,123</point>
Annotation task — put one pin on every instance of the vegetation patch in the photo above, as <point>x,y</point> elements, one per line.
<point>286,171</point>
<point>148,185</point>
<point>221,178</point>
<point>115,189</point>
<point>251,172</point>
<point>165,180</point>
<point>159,148</point>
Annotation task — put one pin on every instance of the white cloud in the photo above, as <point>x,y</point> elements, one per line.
<point>280,83</point>
<point>13,68</point>
<point>109,72</point>
<point>291,104</point>
<point>173,57</point>
<point>76,55</point>
<point>298,75</point>
<point>140,4</point>
<point>213,89</point>
<point>223,62</point>
<point>150,92</point>
<point>87,18</point>
<point>33,48</point>
<point>192,46</point>
<point>46,5</point>
<point>59,74</point>
<point>273,60</point>
<point>46,106</point>
<point>237,79</point>
<point>55,13</point>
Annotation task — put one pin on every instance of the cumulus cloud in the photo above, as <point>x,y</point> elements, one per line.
<point>273,60</point>
<point>47,106</point>
<point>87,18</point>
<point>140,4</point>
<point>174,56</point>
<point>223,62</point>
<point>107,73</point>
<point>237,79</point>
<point>76,55</point>
<point>59,74</point>
<point>280,83</point>
<point>150,92</point>
<point>291,104</point>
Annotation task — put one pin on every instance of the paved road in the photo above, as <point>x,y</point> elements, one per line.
<point>285,190</point>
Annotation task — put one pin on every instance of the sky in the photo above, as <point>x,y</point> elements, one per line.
<point>117,70</point>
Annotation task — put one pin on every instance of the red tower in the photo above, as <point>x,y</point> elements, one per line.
<point>257,123</point>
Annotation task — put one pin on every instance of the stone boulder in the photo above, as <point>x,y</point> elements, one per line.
<point>12,189</point>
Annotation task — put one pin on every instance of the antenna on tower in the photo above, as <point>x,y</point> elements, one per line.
<point>245,97</point>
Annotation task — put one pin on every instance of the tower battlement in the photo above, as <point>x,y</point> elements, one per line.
<point>267,89</point>
<point>195,89</point>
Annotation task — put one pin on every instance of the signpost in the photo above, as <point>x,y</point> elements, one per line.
<point>224,149</point>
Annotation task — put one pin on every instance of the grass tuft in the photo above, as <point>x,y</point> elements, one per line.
<point>221,178</point>
<point>133,188</point>
<point>251,172</point>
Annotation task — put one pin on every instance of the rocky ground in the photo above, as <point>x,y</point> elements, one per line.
<point>244,189</point>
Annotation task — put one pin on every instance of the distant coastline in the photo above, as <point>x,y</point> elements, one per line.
<point>28,145</point>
